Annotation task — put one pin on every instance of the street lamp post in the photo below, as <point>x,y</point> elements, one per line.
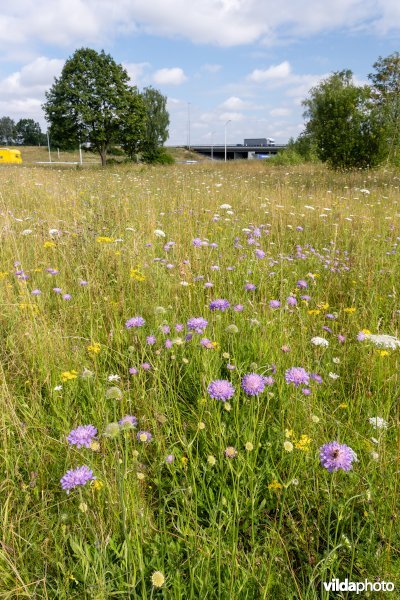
<point>225,135</point>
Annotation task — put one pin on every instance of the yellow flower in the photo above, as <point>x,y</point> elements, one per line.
<point>275,485</point>
<point>184,461</point>
<point>227,406</point>
<point>69,375</point>
<point>288,433</point>
<point>97,485</point>
<point>3,274</point>
<point>103,239</point>
<point>323,305</point>
<point>366,331</point>
<point>350,310</point>
<point>49,244</point>
<point>343,405</point>
<point>303,443</point>
<point>94,348</point>
<point>136,275</point>
<point>383,353</point>
<point>313,311</point>
<point>157,579</point>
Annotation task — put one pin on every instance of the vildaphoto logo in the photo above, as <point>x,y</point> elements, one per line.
<point>358,586</point>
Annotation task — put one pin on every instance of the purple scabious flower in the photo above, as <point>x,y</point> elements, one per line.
<point>82,436</point>
<point>179,327</point>
<point>197,324</point>
<point>128,421</point>
<point>206,343</point>
<point>221,389</point>
<point>135,322</point>
<point>83,282</point>
<point>316,377</point>
<point>74,477</point>
<point>302,284</point>
<point>144,436</point>
<point>259,253</point>
<point>36,292</point>
<point>269,380</point>
<point>219,304</point>
<point>169,459</point>
<point>168,344</point>
<point>197,242</point>
<point>67,296</point>
<point>291,301</point>
<point>151,340</point>
<point>250,287</point>
<point>133,371</point>
<point>297,376</point>
<point>238,307</point>
<point>341,338</point>
<point>146,366</point>
<point>274,304</point>
<point>253,384</point>
<point>57,290</point>
<point>335,456</point>
<point>306,298</point>
<point>165,329</point>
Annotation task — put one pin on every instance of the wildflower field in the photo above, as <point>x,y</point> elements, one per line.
<point>199,378</point>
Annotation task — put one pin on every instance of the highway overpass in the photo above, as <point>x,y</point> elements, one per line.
<point>236,151</point>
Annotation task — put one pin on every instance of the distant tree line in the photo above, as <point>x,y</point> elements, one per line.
<point>26,132</point>
<point>93,103</point>
<point>349,125</point>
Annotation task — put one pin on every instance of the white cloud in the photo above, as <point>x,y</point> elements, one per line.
<point>231,116</point>
<point>33,79</point>
<point>234,103</point>
<point>273,73</point>
<point>72,22</point>
<point>280,112</point>
<point>173,76</point>
<point>136,70</point>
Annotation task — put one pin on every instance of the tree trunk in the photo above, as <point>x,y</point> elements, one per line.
<point>103,156</point>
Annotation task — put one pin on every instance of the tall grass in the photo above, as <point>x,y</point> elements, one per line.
<point>268,523</point>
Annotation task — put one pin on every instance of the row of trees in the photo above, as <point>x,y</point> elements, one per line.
<point>93,102</point>
<point>350,125</point>
<point>26,132</point>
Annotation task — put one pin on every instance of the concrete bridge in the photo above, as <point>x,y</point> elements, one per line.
<point>236,151</point>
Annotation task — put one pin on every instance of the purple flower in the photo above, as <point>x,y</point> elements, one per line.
<point>302,284</point>
<point>238,307</point>
<point>169,459</point>
<point>82,436</point>
<point>168,344</point>
<point>146,366</point>
<point>335,456</point>
<point>165,329</point>
<point>197,324</point>
<point>269,380</point>
<point>316,377</point>
<point>133,371</point>
<point>135,322</point>
<point>297,376</point>
<point>83,282</point>
<point>306,391</point>
<point>306,298</point>
<point>250,287</point>
<point>74,477</point>
<point>57,290</point>
<point>221,389</point>
<point>36,292</point>
<point>128,421</point>
<point>179,327</point>
<point>259,253</point>
<point>341,338</point>
<point>144,436</point>
<point>219,304</point>
<point>274,304</point>
<point>150,340</point>
<point>291,301</point>
<point>67,296</point>
<point>253,384</point>
<point>206,343</point>
<point>197,242</point>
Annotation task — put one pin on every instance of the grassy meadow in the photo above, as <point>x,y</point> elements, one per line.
<point>198,496</point>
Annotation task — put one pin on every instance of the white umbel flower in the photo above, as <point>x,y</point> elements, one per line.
<point>378,422</point>
<point>320,341</point>
<point>389,342</point>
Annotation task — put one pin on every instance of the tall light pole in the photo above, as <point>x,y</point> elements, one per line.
<point>225,135</point>
<point>212,145</point>
<point>48,145</point>
<point>189,125</point>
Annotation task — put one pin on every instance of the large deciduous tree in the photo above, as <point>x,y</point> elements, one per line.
<point>92,101</point>
<point>8,132</point>
<point>342,122</point>
<point>29,133</point>
<point>385,93</point>
<point>157,124</point>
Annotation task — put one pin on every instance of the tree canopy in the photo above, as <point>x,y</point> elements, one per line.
<point>343,124</point>
<point>92,101</point>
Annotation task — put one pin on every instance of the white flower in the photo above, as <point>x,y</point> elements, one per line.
<point>58,388</point>
<point>54,232</point>
<point>334,375</point>
<point>113,378</point>
<point>374,455</point>
<point>159,233</point>
<point>26,232</point>
<point>336,360</point>
<point>225,206</point>
<point>384,341</point>
<point>378,422</point>
<point>320,341</point>
<point>184,283</point>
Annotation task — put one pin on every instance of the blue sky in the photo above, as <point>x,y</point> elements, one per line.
<point>250,62</point>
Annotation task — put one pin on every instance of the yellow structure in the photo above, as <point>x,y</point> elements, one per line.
<point>10,156</point>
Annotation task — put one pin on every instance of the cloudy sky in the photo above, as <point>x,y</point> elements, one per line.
<point>248,61</point>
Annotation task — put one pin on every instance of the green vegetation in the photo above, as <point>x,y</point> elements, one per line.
<point>228,500</point>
